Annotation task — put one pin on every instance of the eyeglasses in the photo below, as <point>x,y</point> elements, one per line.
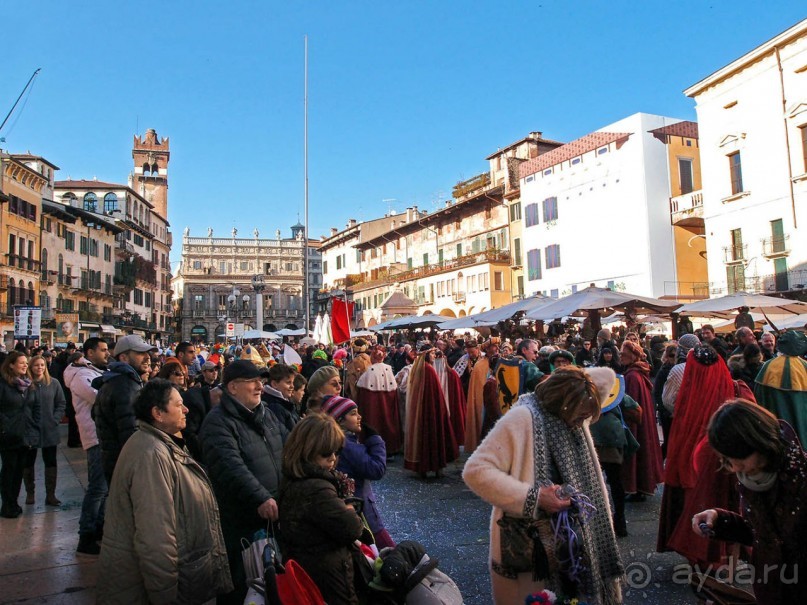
<point>329,454</point>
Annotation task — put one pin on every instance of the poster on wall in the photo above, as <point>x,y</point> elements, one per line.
<point>27,322</point>
<point>66,327</point>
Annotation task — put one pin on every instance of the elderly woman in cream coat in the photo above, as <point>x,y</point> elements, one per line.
<point>538,445</point>
<point>162,536</point>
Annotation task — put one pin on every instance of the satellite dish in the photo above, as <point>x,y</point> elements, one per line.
<point>392,213</point>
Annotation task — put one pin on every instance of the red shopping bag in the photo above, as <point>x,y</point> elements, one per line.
<point>296,587</point>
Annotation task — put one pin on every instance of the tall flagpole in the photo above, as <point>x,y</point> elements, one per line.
<point>306,291</point>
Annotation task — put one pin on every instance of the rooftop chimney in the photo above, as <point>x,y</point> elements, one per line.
<point>351,222</point>
<point>334,231</point>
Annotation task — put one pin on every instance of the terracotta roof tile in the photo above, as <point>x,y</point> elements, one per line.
<point>679,129</point>
<point>570,150</point>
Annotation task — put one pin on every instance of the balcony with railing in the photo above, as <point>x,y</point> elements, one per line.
<point>735,254</point>
<point>491,255</point>
<point>776,246</point>
<point>687,209</point>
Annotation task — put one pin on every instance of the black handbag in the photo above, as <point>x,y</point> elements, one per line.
<point>526,545</point>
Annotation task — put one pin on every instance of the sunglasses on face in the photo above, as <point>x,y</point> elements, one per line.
<point>177,374</point>
<point>329,454</point>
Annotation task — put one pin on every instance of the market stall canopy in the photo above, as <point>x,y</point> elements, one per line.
<point>494,316</point>
<point>251,334</point>
<point>758,303</point>
<point>360,333</point>
<point>288,332</point>
<point>601,299</point>
<point>794,322</point>
<point>410,322</point>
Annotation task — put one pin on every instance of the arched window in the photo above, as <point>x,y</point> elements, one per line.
<point>91,202</point>
<point>69,199</point>
<point>154,170</point>
<point>146,168</point>
<point>140,214</point>
<point>44,261</point>
<point>110,203</point>
<point>134,211</point>
<point>59,302</point>
<point>12,294</point>
<point>29,299</point>
<point>61,269</point>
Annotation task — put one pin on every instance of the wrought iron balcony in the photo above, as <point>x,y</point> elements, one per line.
<point>776,246</point>
<point>735,254</point>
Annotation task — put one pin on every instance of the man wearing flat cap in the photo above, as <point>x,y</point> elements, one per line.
<point>242,446</point>
<point>117,389</point>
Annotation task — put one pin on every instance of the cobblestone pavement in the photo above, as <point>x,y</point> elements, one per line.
<point>38,563</point>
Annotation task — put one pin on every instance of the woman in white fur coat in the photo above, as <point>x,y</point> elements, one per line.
<point>538,445</point>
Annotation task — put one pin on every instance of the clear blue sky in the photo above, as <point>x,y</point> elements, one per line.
<point>405,98</point>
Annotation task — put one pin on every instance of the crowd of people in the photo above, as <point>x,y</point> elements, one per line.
<point>191,451</point>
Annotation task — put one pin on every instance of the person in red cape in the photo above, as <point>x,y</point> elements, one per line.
<point>455,397</point>
<point>693,480</point>
<point>377,399</point>
<point>642,472</point>
<point>429,441</point>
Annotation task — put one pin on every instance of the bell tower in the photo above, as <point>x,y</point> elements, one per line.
<point>150,177</point>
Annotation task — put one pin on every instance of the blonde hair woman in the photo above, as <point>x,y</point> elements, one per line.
<point>52,405</point>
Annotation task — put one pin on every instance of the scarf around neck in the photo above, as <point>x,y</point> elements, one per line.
<point>571,451</point>
<point>22,384</point>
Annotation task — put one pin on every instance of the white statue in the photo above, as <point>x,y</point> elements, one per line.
<point>256,233</point>
<point>210,232</point>
<point>235,232</point>
<point>187,232</point>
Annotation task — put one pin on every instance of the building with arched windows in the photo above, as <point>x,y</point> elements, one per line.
<point>214,282</point>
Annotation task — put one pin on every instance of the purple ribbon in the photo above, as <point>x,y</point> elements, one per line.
<point>567,541</point>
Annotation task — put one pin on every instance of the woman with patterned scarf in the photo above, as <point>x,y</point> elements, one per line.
<point>550,427</point>
<point>642,472</point>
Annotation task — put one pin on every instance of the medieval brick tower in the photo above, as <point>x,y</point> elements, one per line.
<point>150,178</point>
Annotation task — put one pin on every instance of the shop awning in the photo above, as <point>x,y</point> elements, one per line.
<point>89,326</point>
<point>109,329</point>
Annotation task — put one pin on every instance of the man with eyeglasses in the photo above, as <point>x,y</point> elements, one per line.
<point>242,445</point>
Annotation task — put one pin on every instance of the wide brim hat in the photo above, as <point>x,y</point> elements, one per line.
<point>608,386</point>
<point>615,395</point>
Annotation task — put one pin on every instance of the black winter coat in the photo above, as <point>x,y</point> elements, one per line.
<point>197,400</point>
<point>317,530</point>
<point>242,451</point>
<point>20,415</point>
<point>113,411</point>
<point>284,410</point>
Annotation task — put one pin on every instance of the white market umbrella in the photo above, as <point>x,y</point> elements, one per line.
<point>759,303</point>
<point>361,333</point>
<point>794,322</point>
<point>290,332</point>
<point>252,334</point>
<point>493,316</point>
<point>600,299</point>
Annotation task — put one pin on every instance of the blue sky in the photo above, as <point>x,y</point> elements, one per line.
<point>405,98</point>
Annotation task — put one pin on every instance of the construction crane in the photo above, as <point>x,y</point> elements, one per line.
<point>13,107</point>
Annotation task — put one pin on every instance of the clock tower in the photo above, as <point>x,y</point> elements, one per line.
<point>150,177</point>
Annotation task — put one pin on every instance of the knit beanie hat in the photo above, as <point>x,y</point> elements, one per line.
<point>337,406</point>
<point>319,354</point>
<point>685,343</point>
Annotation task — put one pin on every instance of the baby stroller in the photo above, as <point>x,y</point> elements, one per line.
<point>406,575</point>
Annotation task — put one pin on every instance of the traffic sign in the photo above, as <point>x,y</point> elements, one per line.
<point>230,329</point>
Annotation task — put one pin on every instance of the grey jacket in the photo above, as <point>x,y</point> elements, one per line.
<point>162,537</point>
<point>51,404</point>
